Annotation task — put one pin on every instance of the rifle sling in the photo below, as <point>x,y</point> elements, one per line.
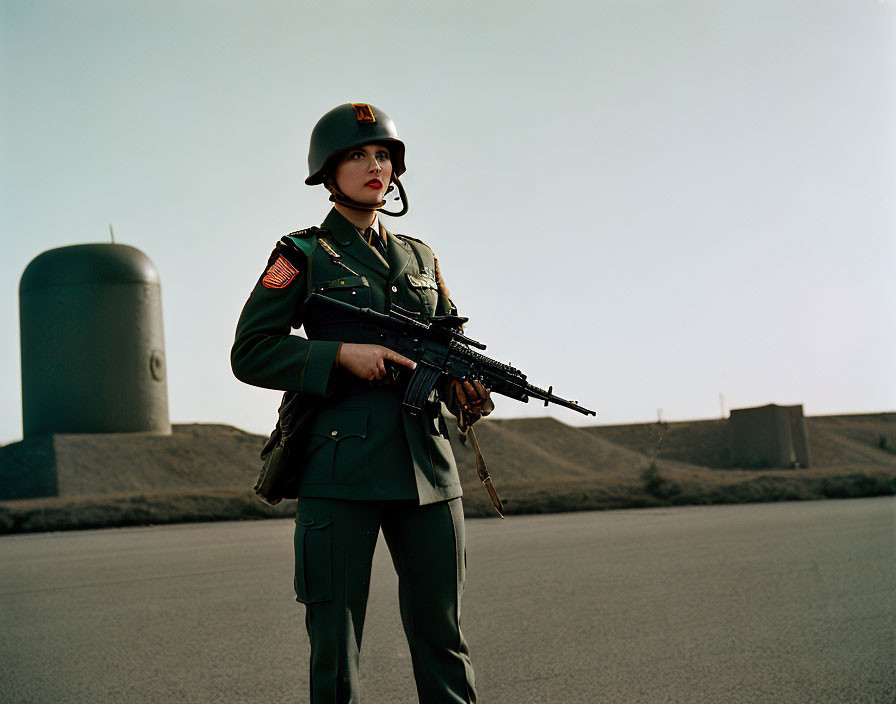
<point>481,467</point>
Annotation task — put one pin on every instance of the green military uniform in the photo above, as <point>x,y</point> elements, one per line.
<point>366,463</point>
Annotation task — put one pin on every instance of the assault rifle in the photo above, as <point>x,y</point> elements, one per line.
<point>438,347</point>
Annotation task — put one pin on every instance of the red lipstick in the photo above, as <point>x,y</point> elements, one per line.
<point>374,183</point>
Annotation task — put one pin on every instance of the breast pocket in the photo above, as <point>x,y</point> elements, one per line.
<point>426,288</point>
<point>349,289</point>
<point>336,446</point>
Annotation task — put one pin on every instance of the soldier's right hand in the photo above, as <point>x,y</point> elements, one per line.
<point>369,361</point>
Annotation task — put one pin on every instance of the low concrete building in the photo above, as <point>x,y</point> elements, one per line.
<point>768,436</point>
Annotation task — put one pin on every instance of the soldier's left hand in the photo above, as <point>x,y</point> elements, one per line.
<point>471,397</point>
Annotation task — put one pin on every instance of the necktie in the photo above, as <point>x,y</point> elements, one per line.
<point>372,237</point>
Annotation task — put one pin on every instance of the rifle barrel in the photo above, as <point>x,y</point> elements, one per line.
<point>549,397</point>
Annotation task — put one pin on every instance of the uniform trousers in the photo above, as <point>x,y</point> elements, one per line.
<point>334,545</point>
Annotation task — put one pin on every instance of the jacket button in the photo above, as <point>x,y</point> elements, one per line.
<point>334,433</point>
<point>394,288</point>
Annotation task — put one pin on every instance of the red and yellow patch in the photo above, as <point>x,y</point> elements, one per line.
<point>363,112</point>
<point>280,274</point>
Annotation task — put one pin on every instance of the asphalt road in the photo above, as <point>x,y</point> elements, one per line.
<point>788,602</point>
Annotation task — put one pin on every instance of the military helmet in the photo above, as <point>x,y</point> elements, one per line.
<point>347,126</point>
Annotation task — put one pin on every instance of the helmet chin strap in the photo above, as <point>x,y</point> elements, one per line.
<point>401,195</point>
<point>337,196</point>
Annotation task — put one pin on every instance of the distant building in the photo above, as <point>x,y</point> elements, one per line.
<point>93,363</point>
<point>93,350</point>
<point>768,436</point>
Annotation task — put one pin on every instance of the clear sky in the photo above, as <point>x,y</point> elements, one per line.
<point>646,204</point>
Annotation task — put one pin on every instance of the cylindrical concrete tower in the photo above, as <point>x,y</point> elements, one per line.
<point>93,351</point>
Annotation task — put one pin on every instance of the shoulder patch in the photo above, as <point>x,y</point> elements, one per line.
<point>280,274</point>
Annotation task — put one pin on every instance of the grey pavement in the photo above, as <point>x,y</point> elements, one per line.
<point>787,602</point>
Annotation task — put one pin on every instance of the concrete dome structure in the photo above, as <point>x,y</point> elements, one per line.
<point>93,351</point>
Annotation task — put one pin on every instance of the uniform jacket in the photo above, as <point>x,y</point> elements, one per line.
<point>361,444</point>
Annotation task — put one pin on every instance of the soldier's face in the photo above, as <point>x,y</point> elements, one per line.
<point>364,173</point>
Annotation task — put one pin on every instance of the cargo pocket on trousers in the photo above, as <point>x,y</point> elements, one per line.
<point>314,562</point>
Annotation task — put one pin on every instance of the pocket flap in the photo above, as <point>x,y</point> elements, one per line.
<point>344,282</point>
<point>340,423</point>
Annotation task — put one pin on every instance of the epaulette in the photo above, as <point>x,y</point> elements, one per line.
<point>306,233</point>
<point>413,239</point>
<point>303,240</point>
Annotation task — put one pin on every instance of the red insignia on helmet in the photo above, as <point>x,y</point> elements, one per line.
<point>363,112</point>
<point>280,274</point>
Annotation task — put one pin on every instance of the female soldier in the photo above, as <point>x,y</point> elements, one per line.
<point>365,463</point>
